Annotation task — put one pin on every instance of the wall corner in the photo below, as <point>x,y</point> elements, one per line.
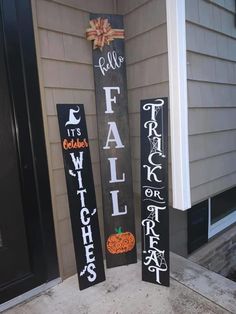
<point>176,35</point>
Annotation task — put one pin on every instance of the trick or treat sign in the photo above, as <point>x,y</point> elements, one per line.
<point>107,35</point>
<point>81,195</point>
<point>154,191</point>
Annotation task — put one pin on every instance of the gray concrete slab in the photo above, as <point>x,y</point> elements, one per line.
<point>214,287</point>
<point>122,293</point>
<point>210,248</point>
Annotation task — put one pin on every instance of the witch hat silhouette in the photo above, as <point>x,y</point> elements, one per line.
<point>72,119</point>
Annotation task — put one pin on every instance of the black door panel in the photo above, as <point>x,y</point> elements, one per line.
<point>27,243</point>
<point>13,252</point>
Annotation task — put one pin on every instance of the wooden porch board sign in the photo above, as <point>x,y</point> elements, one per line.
<point>154,191</point>
<point>81,195</point>
<point>112,111</point>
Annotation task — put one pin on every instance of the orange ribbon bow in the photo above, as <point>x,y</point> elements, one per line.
<point>102,33</point>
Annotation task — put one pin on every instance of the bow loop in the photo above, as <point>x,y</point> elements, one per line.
<point>101,33</point>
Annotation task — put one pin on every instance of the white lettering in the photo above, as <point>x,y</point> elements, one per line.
<point>77,161</point>
<point>91,271</point>
<point>81,194</point>
<point>155,209</point>
<point>152,257</point>
<point>154,108</point>
<point>113,62</point>
<point>109,99</point>
<point>89,254</point>
<point>150,225</point>
<point>114,178</point>
<point>150,172</point>
<point>79,177</point>
<point>152,125</point>
<point>153,241</point>
<point>113,129</point>
<point>84,211</point>
<point>115,205</point>
<point>87,234</point>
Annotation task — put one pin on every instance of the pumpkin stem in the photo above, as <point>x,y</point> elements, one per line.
<point>118,230</point>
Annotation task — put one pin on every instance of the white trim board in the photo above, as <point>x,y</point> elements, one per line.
<point>29,294</point>
<point>176,34</point>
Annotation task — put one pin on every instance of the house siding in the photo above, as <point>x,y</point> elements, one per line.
<point>66,76</point>
<point>147,69</point>
<point>211,73</point>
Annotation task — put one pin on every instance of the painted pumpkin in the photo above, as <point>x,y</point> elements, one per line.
<point>121,242</point>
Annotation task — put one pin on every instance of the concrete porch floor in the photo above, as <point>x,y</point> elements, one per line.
<point>193,289</point>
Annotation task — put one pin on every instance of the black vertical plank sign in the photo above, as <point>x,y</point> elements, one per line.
<point>81,194</point>
<point>154,191</point>
<point>107,34</point>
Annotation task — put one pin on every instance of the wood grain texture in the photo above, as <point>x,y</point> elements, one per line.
<point>81,195</point>
<point>114,78</point>
<point>154,191</point>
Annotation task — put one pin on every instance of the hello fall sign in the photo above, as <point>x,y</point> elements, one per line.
<point>107,34</point>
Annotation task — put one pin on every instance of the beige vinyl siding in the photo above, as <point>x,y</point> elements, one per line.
<point>147,69</point>
<point>211,64</point>
<point>66,76</point>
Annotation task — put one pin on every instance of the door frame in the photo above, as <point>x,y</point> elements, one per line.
<point>23,81</point>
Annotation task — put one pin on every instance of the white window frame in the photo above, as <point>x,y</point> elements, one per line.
<point>221,224</point>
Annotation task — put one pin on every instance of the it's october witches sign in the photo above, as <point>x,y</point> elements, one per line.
<point>81,195</point>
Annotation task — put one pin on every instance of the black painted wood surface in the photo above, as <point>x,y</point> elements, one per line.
<point>20,93</point>
<point>110,71</point>
<point>197,226</point>
<point>154,191</point>
<point>81,194</point>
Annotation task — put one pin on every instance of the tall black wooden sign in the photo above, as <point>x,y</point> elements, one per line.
<point>107,34</point>
<point>154,191</point>
<point>81,195</point>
